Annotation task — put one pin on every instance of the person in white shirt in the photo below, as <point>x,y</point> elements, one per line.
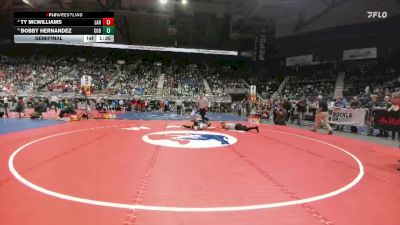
<point>178,104</point>
<point>54,102</point>
<point>121,103</point>
<point>198,125</point>
<point>100,104</point>
<point>5,105</point>
<point>238,126</point>
<point>202,104</point>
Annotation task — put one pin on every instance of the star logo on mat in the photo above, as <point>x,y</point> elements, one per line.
<point>137,128</point>
<point>189,139</point>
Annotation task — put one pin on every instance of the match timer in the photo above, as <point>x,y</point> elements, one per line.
<point>63,27</point>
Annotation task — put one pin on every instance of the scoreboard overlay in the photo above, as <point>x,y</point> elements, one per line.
<point>63,27</point>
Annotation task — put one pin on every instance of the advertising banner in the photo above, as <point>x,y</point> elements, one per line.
<point>387,120</point>
<point>361,53</point>
<point>351,117</point>
<point>299,60</point>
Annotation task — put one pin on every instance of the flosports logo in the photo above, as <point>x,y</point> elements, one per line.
<point>189,139</point>
<point>377,14</point>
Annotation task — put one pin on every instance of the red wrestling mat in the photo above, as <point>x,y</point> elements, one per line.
<point>155,173</point>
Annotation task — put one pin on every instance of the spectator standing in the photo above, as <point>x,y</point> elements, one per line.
<point>166,105</point>
<point>99,104</point>
<point>385,105</point>
<point>354,104</point>
<point>243,107</point>
<point>161,104</point>
<point>39,109</point>
<point>54,102</point>
<point>395,107</point>
<point>386,102</point>
<point>339,103</point>
<point>288,108</point>
<point>20,107</point>
<point>238,106</point>
<point>372,105</point>
<point>5,105</point>
<point>178,104</point>
<point>301,110</point>
<point>313,107</point>
<point>121,103</point>
<point>281,116</point>
<point>146,105</point>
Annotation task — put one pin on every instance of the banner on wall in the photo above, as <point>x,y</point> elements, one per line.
<point>86,81</point>
<point>253,89</point>
<point>387,120</point>
<point>299,60</point>
<point>253,93</point>
<point>361,53</point>
<point>255,49</point>
<point>351,117</point>
<point>236,90</point>
<point>260,43</point>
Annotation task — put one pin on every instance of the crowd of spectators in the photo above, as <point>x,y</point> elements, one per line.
<point>183,81</point>
<point>108,77</point>
<point>363,82</point>
<point>302,111</point>
<point>60,75</point>
<point>216,83</point>
<point>219,79</point>
<point>136,79</point>
<point>317,82</point>
<point>365,88</point>
<point>48,74</point>
<point>266,85</point>
<point>24,74</point>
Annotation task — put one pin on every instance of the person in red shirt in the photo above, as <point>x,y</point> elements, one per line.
<point>139,105</point>
<point>161,104</point>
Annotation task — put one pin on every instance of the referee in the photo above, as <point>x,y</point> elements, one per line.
<point>202,104</point>
<point>322,115</point>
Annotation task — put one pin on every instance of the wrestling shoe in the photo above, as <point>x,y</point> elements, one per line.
<point>258,131</point>
<point>330,132</point>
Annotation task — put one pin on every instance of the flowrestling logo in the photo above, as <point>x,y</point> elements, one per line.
<point>377,14</point>
<point>189,139</point>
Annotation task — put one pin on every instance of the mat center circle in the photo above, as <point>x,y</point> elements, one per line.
<point>89,201</point>
<point>189,139</point>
